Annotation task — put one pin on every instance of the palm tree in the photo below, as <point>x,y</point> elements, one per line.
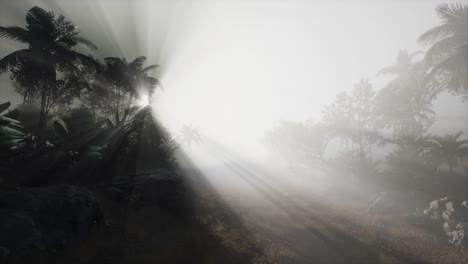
<point>403,64</point>
<point>190,135</point>
<point>405,102</point>
<point>138,75</point>
<point>448,54</point>
<point>448,149</point>
<point>50,40</point>
<point>127,79</point>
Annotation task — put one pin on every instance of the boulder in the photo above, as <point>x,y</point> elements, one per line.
<point>45,218</point>
<point>147,186</point>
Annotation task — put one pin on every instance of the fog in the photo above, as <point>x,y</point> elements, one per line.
<point>285,111</point>
<point>235,68</point>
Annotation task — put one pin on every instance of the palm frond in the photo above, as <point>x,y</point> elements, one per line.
<point>453,64</point>
<point>4,106</point>
<point>138,62</point>
<point>87,60</point>
<point>416,53</point>
<point>441,48</point>
<point>149,68</point>
<point>15,33</point>
<point>434,34</point>
<point>454,21</point>
<point>453,12</point>
<point>12,59</point>
<point>84,41</point>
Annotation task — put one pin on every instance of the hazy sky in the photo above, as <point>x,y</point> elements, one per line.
<point>233,68</point>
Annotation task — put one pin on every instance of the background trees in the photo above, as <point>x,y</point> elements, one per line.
<point>299,145</point>
<point>352,118</point>
<point>116,84</point>
<point>405,102</point>
<point>398,116</point>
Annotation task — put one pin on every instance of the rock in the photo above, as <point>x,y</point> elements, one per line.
<point>147,186</point>
<point>45,218</point>
<point>4,252</point>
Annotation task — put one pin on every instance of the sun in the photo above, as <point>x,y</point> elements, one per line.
<point>143,101</point>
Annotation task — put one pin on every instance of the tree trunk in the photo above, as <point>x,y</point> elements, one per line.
<point>421,152</point>
<point>117,118</point>
<point>43,106</point>
<point>40,142</point>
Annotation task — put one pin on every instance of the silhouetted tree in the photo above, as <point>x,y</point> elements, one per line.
<point>405,102</point>
<point>50,40</point>
<point>190,135</point>
<point>448,55</point>
<point>124,80</point>
<point>403,64</point>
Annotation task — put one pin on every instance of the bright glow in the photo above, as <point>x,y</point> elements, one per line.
<point>143,101</point>
<point>234,68</point>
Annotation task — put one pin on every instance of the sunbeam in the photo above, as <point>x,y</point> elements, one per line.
<point>227,131</point>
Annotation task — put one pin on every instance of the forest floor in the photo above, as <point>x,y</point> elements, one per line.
<point>213,228</point>
<point>242,214</point>
<point>309,230</point>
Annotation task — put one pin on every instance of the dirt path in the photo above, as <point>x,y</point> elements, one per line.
<point>307,228</point>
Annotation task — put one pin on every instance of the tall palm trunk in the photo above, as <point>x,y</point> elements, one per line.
<point>42,119</point>
<point>48,81</point>
<point>117,118</point>
<point>43,105</point>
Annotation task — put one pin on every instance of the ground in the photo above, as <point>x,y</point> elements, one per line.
<point>213,228</point>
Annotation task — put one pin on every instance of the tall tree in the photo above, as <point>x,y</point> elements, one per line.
<point>127,81</point>
<point>405,102</point>
<point>190,135</point>
<point>50,39</point>
<point>352,117</point>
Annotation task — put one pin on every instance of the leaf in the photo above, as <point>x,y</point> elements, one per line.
<point>10,131</point>
<point>84,41</point>
<point>9,143</point>
<point>149,68</point>
<point>138,62</point>
<point>6,121</point>
<point>10,137</point>
<point>15,33</point>
<point>4,106</point>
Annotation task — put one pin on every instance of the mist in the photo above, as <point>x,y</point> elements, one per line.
<point>276,121</point>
